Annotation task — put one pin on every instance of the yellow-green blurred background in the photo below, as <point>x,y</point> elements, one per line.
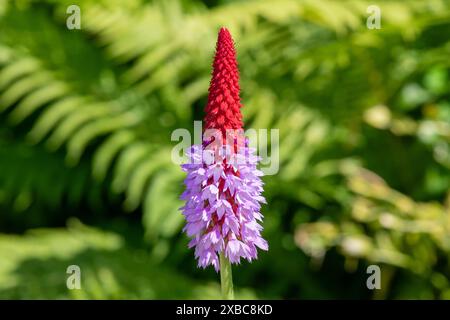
<point>86,176</point>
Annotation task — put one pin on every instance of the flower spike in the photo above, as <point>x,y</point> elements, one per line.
<point>223,192</point>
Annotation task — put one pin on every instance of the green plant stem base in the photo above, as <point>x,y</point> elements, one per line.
<point>226,278</point>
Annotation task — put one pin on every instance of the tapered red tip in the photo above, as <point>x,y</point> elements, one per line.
<point>223,107</point>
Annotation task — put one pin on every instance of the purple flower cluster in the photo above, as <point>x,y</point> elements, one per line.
<point>222,211</point>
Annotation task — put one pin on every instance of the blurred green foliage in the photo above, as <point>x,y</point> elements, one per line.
<point>108,271</point>
<point>85,123</point>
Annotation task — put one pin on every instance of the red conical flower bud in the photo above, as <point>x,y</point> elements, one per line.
<point>223,107</point>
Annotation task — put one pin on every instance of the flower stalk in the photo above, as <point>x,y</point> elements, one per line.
<point>226,278</point>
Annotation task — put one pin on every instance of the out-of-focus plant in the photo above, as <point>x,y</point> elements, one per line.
<point>108,270</point>
<point>86,117</point>
<point>388,228</point>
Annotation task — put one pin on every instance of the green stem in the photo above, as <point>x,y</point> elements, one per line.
<point>226,278</point>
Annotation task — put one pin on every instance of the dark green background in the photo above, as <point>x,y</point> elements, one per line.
<point>86,176</point>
